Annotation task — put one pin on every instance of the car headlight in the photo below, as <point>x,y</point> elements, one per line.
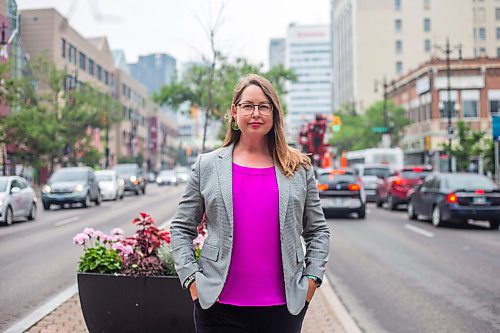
<point>1,203</point>
<point>133,179</point>
<point>46,189</point>
<point>79,188</point>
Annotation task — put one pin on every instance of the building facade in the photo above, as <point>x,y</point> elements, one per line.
<point>277,47</point>
<point>154,71</point>
<point>308,55</point>
<point>374,40</point>
<point>473,97</point>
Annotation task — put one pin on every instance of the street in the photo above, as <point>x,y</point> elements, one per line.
<point>391,274</point>
<point>399,276</point>
<point>39,260</point>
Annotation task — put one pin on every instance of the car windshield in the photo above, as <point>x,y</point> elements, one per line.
<point>379,172</point>
<point>333,178</point>
<point>3,185</point>
<point>167,173</point>
<point>69,175</point>
<point>106,177</point>
<point>469,182</point>
<point>415,175</point>
<point>125,169</point>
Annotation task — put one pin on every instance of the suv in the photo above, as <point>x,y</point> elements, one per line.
<point>133,176</point>
<point>71,185</point>
<point>394,189</point>
<point>370,175</point>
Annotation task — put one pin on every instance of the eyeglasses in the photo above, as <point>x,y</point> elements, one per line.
<point>265,109</point>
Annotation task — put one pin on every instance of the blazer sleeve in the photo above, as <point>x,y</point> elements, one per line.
<point>315,232</point>
<point>183,226</point>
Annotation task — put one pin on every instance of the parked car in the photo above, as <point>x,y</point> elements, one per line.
<point>17,199</point>
<point>167,177</point>
<point>133,176</point>
<point>71,185</point>
<point>455,198</point>
<point>341,192</point>
<point>111,185</point>
<point>394,189</point>
<point>182,174</point>
<point>370,174</point>
<point>151,177</point>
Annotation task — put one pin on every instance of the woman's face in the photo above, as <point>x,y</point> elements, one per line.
<point>253,121</point>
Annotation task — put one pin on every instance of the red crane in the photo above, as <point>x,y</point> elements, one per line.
<point>311,140</point>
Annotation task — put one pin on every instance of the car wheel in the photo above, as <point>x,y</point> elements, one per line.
<point>362,213</point>
<point>494,224</point>
<point>390,203</point>
<point>137,192</point>
<point>410,210</point>
<point>46,206</point>
<point>98,199</point>
<point>9,216</point>
<point>122,196</point>
<point>32,214</point>
<point>436,217</point>
<point>87,201</point>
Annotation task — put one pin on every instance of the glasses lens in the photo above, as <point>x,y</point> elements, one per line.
<point>265,108</point>
<point>247,107</point>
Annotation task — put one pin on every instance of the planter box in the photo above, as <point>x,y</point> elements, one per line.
<point>123,304</point>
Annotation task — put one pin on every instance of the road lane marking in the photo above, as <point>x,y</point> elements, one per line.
<point>419,231</point>
<point>67,220</point>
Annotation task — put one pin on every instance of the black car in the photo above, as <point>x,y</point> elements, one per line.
<point>341,192</point>
<point>456,198</point>
<point>135,181</point>
<point>71,185</point>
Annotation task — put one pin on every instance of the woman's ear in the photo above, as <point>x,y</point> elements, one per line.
<point>233,111</point>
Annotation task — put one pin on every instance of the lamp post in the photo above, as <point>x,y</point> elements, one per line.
<point>450,130</point>
<point>387,134</point>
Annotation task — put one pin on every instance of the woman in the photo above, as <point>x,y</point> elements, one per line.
<point>259,196</point>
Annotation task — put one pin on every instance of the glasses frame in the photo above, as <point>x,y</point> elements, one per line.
<point>258,108</point>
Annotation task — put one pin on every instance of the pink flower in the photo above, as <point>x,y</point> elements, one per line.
<point>117,232</point>
<point>198,241</point>
<point>89,231</point>
<point>125,250</point>
<point>100,236</point>
<point>80,239</point>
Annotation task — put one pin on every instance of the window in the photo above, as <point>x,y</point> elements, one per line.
<point>427,4</point>
<point>427,45</point>
<point>63,47</point>
<point>482,33</point>
<point>398,25</point>
<point>494,102</point>
<point>497,14</point>
<point>427,25</point>
<point>83,60</point>
<point>99,72</point>
<point>72,54</point>
<point>106,77</point>
<point>447,103</point>
<point>398,46</point>
<point>482,51</point>
<point>498,33</point>
<point>470,101</point>
<point>397,5</point>
<point>399,67</point>
<point>91,67</point>
<point>498,52</point>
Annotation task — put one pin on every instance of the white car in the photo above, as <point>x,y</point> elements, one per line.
<point>111,185</point>
<point>167,177</point>
<point>17,199</point>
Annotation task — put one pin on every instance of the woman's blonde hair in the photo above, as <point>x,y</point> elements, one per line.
<point>289,159</point>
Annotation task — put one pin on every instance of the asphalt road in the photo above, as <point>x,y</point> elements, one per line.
<point>394,275</point>
<point>38,259</point>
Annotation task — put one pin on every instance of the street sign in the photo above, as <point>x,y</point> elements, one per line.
<point>379,129</point>
<point>450,132</point>
<point>495,121</point>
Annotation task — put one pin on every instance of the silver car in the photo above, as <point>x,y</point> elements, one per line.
<point>167,177</point>
<point>111,185</point>
<point>17,199</point>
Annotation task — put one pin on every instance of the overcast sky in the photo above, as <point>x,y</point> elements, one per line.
<point>176,26</point>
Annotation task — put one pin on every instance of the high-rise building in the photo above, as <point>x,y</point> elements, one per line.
<point>308,54</point>
<point>277,52</point>
<point>154,71</point>
<point>377,39</point>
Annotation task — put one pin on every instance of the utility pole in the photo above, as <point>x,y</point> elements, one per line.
<point>386,137</point>
<point>450,130</point>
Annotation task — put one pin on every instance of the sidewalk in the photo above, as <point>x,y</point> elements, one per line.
<point>320,318</point>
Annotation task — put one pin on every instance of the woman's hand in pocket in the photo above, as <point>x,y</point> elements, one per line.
<point>312,286</point>
<point>193,291</point>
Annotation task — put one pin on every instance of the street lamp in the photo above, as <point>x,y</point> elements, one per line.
<point>447,51</point>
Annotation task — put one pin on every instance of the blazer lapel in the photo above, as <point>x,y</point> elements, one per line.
<point>225,175</point>
<point>284,194</point>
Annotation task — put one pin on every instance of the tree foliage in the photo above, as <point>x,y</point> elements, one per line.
<point>356,130</point>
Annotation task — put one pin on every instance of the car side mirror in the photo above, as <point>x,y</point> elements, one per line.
<point>14,190</point>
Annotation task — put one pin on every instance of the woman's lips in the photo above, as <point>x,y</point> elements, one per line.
<point>255,125</point>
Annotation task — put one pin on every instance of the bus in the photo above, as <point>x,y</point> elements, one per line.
<point>393,157</point>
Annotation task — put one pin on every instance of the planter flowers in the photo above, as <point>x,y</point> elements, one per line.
<point>129,284</point>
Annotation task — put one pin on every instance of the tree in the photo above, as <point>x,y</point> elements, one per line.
<point>356,130</point>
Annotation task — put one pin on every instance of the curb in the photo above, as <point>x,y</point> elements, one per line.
<point>346,320</point>
<point>34,317</point>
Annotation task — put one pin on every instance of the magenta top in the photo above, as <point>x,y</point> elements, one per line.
<point>255,275</point>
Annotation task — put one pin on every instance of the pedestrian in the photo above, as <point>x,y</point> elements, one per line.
<point>259,197</point>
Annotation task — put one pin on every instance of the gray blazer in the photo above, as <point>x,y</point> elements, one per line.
<point>209,190</point>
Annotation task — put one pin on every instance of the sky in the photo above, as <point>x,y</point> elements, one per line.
<point>178,27</point>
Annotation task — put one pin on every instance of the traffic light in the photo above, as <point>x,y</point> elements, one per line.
<point>336,123</point>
